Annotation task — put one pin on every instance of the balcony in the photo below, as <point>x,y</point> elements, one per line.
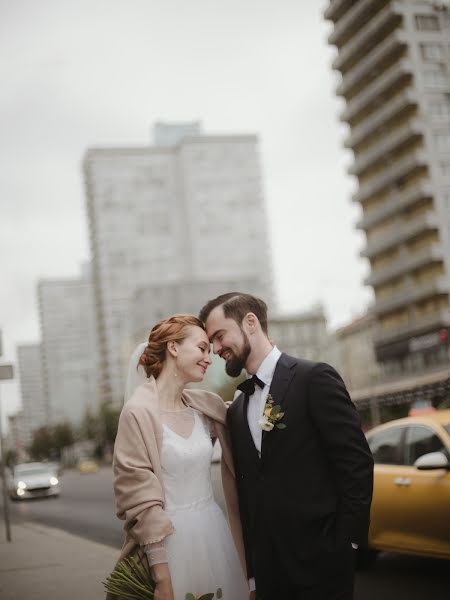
<point>399,234</point>
<point>369,67</point>
<point>417,326</point>
<point>405,264</point>
<point>387,113</point>
<point>395,203</point>
<point>388,145</point>
<point>377,91</point>
<point>396,172</point>
<point>337,8</point>
<point>361,12</point>
<point>411,294</point>
<point>367,37</point>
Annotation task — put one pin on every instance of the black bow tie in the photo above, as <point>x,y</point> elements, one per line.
<point>248,386</point>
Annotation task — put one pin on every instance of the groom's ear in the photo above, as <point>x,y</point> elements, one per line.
<point>250,323</point>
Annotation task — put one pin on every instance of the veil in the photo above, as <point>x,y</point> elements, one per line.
<point>135,376</point>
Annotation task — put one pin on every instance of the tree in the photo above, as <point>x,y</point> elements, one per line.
<point>49,441</point>
<point>109,422</point>
<point>42,443</point>
<point>90,426</point>
<point>62,436</point>
<point>228,389</point>
<point>10,458</point>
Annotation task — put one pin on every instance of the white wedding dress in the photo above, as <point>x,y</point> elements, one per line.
<point>201,553</point>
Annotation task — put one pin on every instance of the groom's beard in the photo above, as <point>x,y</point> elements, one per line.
<point>236,363</point>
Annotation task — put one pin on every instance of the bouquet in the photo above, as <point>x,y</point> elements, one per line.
<point>132,580</point>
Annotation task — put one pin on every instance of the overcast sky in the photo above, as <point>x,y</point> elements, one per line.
<point>76,73</point>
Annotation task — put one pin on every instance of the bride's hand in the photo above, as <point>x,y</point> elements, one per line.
<point>163,587</point>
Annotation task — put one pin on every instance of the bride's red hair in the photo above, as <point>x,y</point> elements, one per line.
<point>173,329</point>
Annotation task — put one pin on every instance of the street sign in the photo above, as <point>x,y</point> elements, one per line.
<point>6,372</point>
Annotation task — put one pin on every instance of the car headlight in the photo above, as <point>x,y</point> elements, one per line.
<point>20,491</point>
<point>21,485</point>
<point>54,481</point>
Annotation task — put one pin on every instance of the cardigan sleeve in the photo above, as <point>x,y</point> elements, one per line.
<point>139,493</point>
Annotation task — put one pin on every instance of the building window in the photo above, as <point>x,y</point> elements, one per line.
<point>445,169</point>
<point>442,141</point>
<point>436,78</point>
<point>440,108</point>
<point>427,23</point>
<point>432,51</point>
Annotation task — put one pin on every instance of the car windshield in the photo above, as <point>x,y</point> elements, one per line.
<point>26,472</point>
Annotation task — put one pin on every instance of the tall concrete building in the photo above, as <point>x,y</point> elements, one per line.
<point>188,209</point>
<point>394,57</point>
<point>35,410</point>
<point>68,348</point>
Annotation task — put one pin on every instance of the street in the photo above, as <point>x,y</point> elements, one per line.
<point>86,508</point>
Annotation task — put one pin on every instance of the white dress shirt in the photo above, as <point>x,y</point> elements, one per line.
<point>257,401</point>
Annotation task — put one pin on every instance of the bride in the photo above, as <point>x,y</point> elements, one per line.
<point>162,459</point>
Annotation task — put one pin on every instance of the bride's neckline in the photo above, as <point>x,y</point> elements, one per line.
<point>178,410</point>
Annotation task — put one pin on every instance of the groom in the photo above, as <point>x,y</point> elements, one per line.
<point>303,467</point>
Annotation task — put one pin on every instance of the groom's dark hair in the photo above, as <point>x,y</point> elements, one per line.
<point>235,306</point>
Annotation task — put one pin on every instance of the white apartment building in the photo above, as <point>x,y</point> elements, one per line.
<point>394,58</point>
<point>66,312</point>
<point>35,409</point>
<point>190,209</point>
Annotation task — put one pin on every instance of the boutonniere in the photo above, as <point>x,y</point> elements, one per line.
<point>272,416</point>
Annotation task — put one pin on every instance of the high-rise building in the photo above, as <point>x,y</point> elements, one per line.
<point>35,409</point>
<point>190,209</point>
<point>68,348</point>
<point>394,57</point>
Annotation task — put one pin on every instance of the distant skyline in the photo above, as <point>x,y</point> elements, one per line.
<point>96,73</point>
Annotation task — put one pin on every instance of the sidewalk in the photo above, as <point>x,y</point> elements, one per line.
<point>42,563</point>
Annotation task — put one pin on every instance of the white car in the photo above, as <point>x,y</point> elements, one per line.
<point>33,480</point>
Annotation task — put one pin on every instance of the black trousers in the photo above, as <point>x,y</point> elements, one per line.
<point>328,576</point>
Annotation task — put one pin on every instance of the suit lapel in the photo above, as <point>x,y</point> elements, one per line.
<point>284,371</point>
<point>245,433</point>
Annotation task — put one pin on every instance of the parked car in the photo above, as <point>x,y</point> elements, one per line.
<point>411,502</point>
<point>32,480</point>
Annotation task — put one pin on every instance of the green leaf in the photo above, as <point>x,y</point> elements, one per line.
<point>206,597</point>
<point>275,410</point>
<point>219,593</point>
<point>189,597</point>
<point>280,426</point>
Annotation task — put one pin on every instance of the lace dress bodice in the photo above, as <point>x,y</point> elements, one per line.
<point>200,553</point>
<point>186,454</point>
<point>186,462</point>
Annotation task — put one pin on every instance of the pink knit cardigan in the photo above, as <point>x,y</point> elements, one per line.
<point>138,483</point>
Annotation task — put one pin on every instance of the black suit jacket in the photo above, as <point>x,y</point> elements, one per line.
<point>311,490</point>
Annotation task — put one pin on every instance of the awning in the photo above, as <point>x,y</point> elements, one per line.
<point>426,386</point>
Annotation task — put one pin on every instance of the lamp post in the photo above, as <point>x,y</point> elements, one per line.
<point>6,372</point>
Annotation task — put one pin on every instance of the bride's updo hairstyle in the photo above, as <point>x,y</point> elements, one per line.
<point>173,329</point>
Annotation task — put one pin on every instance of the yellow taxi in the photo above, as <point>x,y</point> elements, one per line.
<point>411,503</point>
